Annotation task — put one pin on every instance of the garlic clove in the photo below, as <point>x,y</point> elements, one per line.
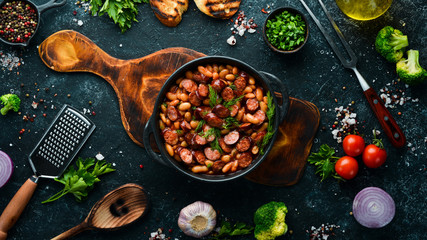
<point>197,219</point>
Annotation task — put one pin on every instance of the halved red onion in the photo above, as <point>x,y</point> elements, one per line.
<point>373,207</point>
<point>6,168</point>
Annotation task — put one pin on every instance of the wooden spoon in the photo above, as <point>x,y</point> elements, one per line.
<point>115,210</point>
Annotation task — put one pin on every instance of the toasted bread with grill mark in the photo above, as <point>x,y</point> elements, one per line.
<point>218,8</point>
<point>169,12</point>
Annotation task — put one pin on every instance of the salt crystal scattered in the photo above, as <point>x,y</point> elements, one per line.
<point>99,157</point>
<point>80,22</point>
<point>231,40</point>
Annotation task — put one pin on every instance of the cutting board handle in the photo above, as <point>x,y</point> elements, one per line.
<point>16,206</point>
<point>70,51</point>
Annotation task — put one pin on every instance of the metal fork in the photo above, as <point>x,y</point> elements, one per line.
<point>389,125</point>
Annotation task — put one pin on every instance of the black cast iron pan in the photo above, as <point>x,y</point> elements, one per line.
<point>266,80</point>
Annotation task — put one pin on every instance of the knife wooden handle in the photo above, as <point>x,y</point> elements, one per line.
<point>389,125</point>
<point>15,207</point>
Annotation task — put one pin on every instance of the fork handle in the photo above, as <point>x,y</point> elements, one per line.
<point>16,206</point>
<point>389,125</point>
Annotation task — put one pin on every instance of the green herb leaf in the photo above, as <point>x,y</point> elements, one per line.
<point>213,97</point>
<point>233,101</point>
<point>230,122</point>
<point>325,161</point>
<point>226,230</point>
<point>122,12</point>
<point>271,109</point>
<point>200,125</point>
<point>79,182</point>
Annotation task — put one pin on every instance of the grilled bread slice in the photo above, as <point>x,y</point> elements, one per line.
<point>169,12</point>
<point>218,8</point>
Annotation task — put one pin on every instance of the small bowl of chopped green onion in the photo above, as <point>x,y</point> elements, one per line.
<point>285,30</point>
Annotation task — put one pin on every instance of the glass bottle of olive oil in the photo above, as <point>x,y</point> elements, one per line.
<point>363,9</point>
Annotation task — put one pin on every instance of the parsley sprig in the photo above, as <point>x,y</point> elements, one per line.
<point>230,122</point>
<point>325,161</point>
<point>271,108</point>
<point>200,125</point>
<point>123,12</point>
<point>227,230</point>
<point>80,182</point>
<point>233,101</point>
<point>213,97</point>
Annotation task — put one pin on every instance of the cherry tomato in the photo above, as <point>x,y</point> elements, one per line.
<point>353,145</point>
<point>347,167</point>
<point>373,156</point>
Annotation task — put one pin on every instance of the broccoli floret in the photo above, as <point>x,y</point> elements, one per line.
<point>391,43</point>
<point>270,221</point>
<point>10,101</point>
<point>409,70</point>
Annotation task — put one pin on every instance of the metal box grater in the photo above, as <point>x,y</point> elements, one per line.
<point>61,142</point>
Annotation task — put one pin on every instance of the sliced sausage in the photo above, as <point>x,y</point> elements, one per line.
<point>244,127</point>
<point>189,85</point>
<point>200,140</point>
<point>189,138</point>
<point>172,113</point>
<point>170,136</point>
<point>217,166</point>
<point>185,126</point>
<point>203,90</point>
<point>218,85</point>
<point>212,154</point>
<point>244,160</point>
<point>227,94</point>
<point>258,138</point>
<point>260,115</point>
<point>221,111</point>
<point>202,111</point>
<point>237,93</point>
<point>244,144</point>
<point>198,77</point>
<point>234,110</point>
<point>213,120</point>
<point>232,137</point>
<point>200,157</point>
<point>252,104</point>
<point>194,99</point>
<point>240,83</point>
<point>185,155</point>
<point>206,128</point>
<point>224,146</point>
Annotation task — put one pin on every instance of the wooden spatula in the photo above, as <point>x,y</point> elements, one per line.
<point>115,210</point>
<point>136,82</point>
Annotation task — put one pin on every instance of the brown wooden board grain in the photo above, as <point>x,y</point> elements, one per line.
<point>285,163</point>
<point>137,83</point>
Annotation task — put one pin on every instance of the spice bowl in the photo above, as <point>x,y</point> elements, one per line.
<point>285,30</point>
<point>29,17</point>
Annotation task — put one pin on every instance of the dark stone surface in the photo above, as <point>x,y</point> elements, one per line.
<point>312,74</point>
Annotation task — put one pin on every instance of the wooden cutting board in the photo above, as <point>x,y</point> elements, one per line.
<point>137,83</point>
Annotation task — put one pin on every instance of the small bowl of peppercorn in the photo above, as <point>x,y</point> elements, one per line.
<point>285,30</point>
<point>19,20</point>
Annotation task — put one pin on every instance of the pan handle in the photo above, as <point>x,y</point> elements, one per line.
<point>16,206</point>
<point>50,4</point>
<point>148,130</point>
<point>282,92</point>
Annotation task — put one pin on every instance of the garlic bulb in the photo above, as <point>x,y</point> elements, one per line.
<point>197,219</point>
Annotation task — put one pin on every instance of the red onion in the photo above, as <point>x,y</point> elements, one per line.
<point>6,168</point>
<point>373,207</point>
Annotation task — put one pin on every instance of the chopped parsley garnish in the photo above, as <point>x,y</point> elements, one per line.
<point>232,86</point>
<point>213,97</point>
<point>230,122</point>
<point>200,125</point>
<point>179,131</point>
<point>233,101</point>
